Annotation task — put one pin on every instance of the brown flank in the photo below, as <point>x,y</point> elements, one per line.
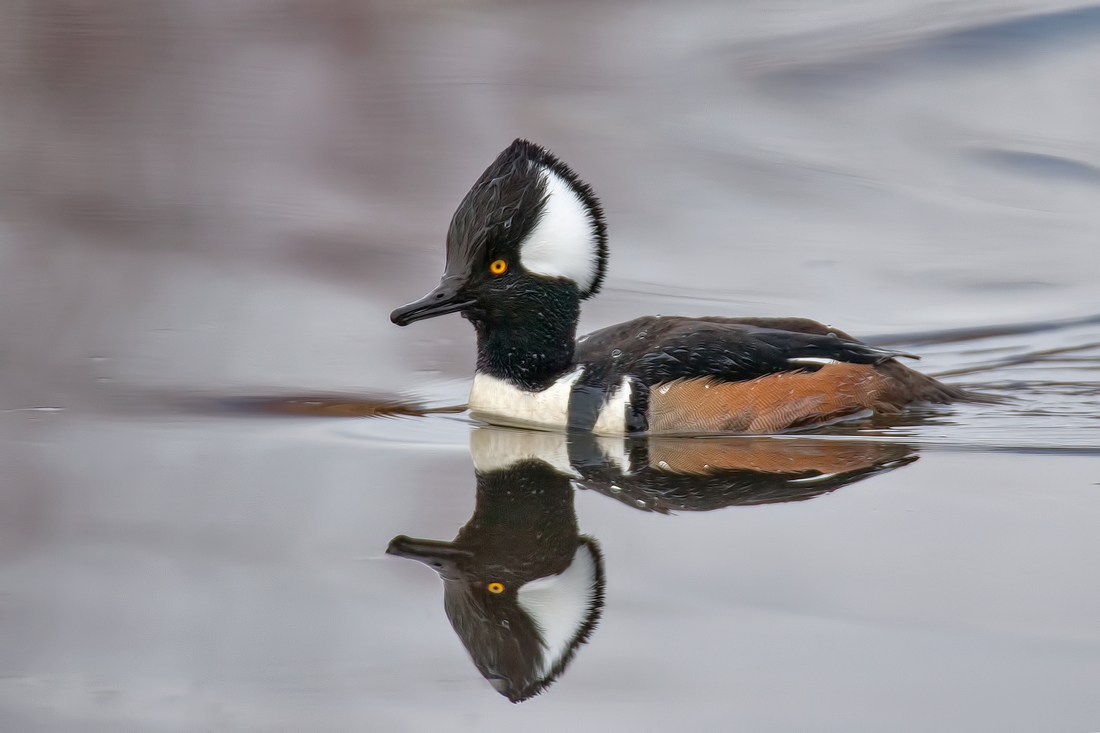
<point>789,399</point>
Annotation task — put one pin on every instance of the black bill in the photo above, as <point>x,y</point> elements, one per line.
<point>448,297</point>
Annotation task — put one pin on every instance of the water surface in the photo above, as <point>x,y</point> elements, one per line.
<point>210,431</point>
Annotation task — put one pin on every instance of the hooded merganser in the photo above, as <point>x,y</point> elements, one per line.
<point>528,243</point>
<point>522,587</point>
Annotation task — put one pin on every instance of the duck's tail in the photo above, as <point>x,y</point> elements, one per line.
<point>912,386</point>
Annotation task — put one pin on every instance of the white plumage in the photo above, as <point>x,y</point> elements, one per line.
<point>505,402</point>
<point>564,242</point>
<point>561,604</point>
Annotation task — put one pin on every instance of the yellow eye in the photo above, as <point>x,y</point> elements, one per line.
<point>499,267</point>
<point>496,587</point>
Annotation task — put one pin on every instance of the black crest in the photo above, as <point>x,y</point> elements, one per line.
<point>506,202</point>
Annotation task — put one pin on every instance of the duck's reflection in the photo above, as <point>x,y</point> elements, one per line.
<point>700,474</point>
<point>523,588</point>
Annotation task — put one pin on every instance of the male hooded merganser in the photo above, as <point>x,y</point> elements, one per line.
<point>523,588</point>
<point>528,243</point>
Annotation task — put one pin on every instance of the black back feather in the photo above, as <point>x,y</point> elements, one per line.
<point>657,350</point>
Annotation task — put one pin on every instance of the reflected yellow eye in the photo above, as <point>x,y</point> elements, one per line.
<point>499,267</point>
<point>496,587</point>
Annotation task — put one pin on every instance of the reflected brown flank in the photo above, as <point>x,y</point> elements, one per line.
<point>769,456</point>
<point>665,474</point>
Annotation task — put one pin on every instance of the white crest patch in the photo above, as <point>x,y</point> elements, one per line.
<point>563,242</point>
<point>561,604</point>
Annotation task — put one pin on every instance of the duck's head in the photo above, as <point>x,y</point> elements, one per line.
<point>523,589</point>
<point>520,623</point>
<point>529,234</point>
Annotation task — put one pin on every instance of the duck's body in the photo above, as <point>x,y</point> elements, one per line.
<point>528,243</point>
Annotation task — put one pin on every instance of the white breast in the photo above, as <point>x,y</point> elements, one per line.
<point>500,403</point>
<point>496,401</point>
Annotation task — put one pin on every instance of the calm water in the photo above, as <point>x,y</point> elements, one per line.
<point>207,211</point>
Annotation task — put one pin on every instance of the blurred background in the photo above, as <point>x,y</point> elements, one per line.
<point>208,197</point>
<point>238,192</point>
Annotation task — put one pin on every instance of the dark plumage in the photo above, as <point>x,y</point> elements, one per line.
<point>657,350</point>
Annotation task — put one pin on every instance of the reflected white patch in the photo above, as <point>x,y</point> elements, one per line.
<point>494,449</point>
<point>560,604</point>
<point>563,242</point>
<point>613,448</point>
<point>813,479</point>
<point>497,401</point>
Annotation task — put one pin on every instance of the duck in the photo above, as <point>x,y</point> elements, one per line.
<point>528,244</point>
<point>522,587</point>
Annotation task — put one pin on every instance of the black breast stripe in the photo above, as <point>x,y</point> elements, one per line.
<point>585,401</point>
<point>637,410</point>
